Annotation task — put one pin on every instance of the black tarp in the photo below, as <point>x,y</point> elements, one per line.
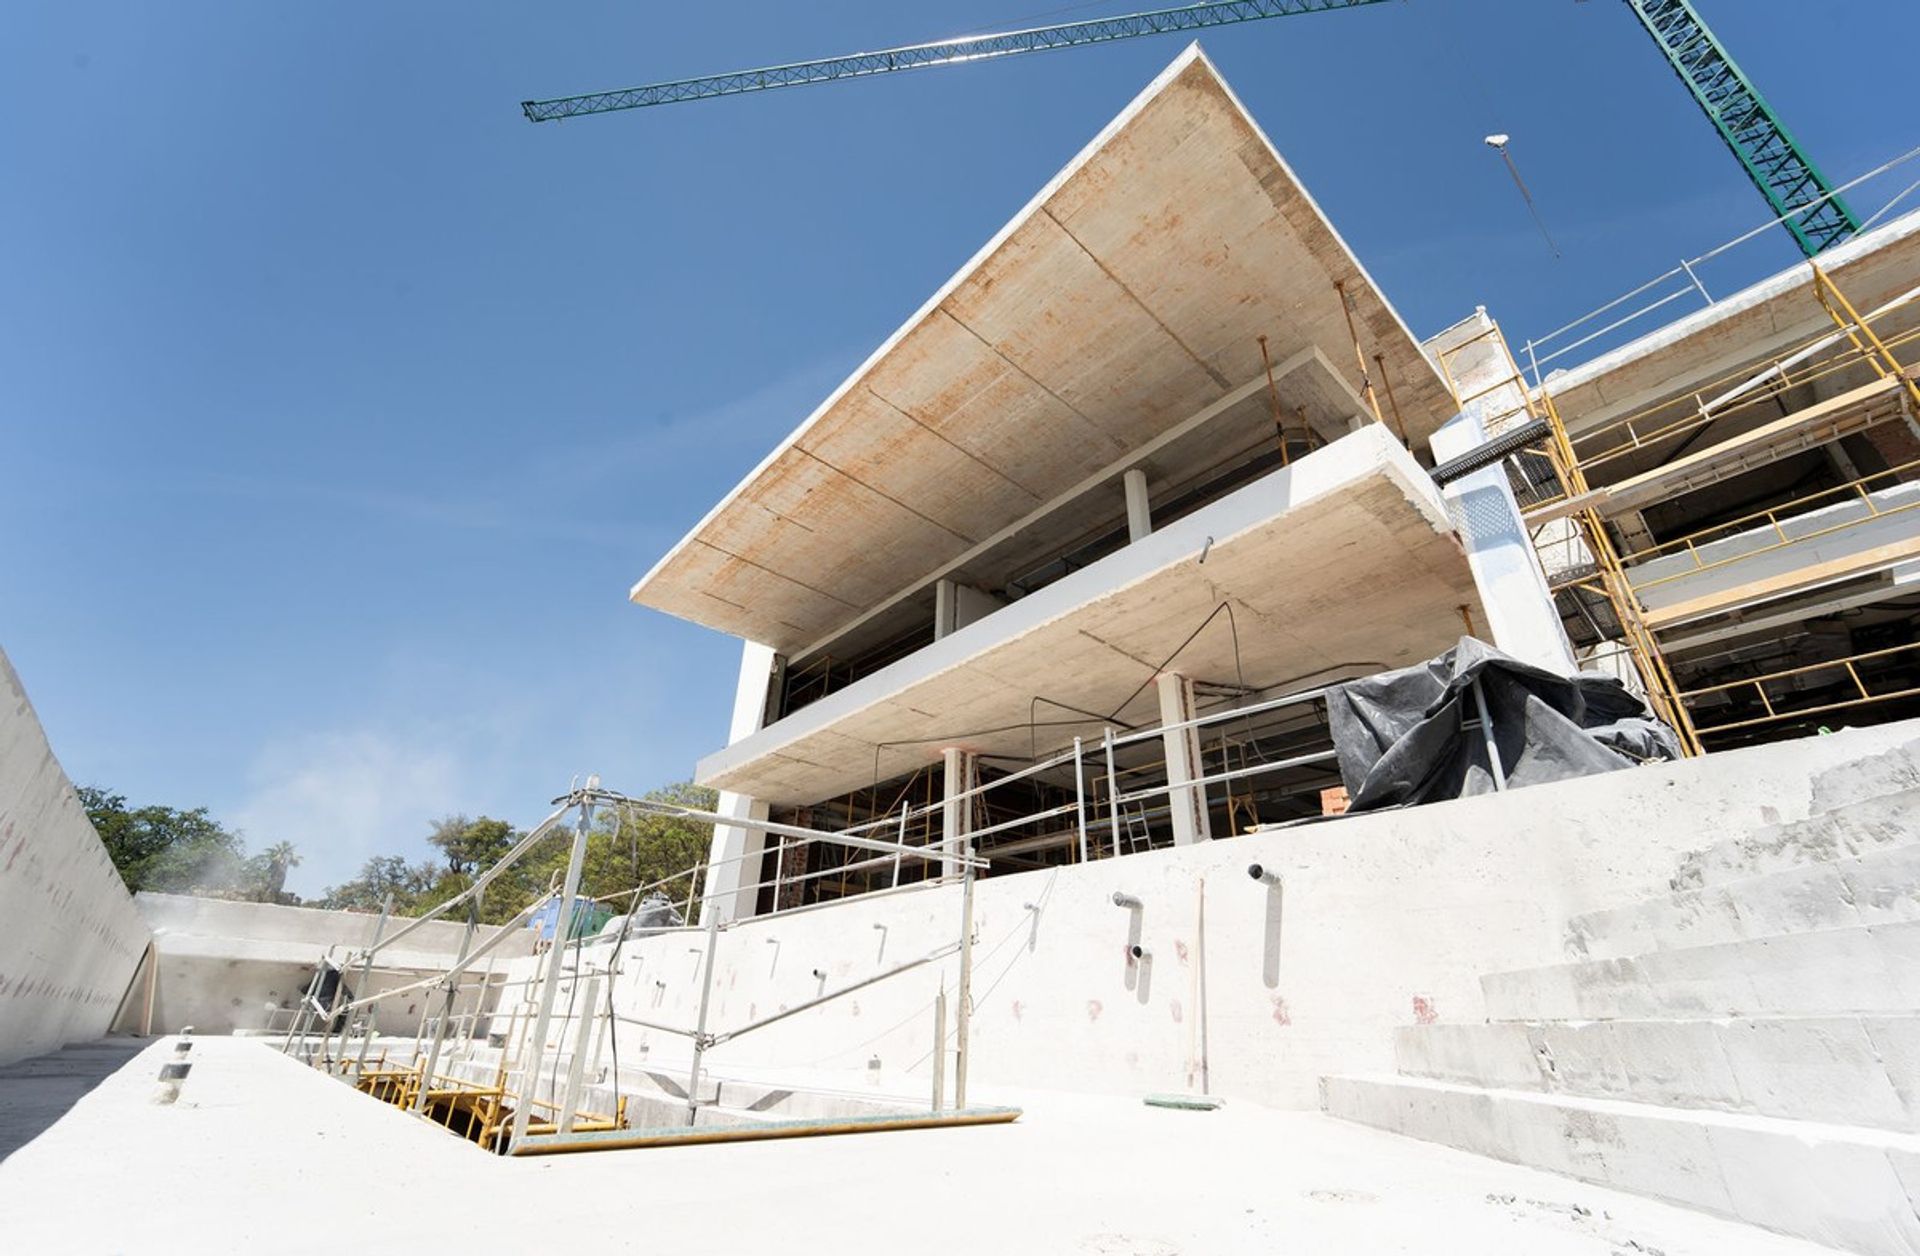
<point>1412,736</point>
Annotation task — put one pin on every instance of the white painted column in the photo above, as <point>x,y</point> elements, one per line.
<point>945,605</point>
<point>1520,615</point>
<point>956,813</point>
<point>1188,802</point>
<point>1139,512</point>
<point>733,871</point>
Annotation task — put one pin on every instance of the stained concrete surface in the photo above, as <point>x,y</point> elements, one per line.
<point>256,1138</point>
<point>36,1093</point>
<point>1136,288</point>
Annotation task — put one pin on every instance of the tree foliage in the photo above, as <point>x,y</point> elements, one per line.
<point>169,851</point>
<point>625,849</point>
<point>188,852</point>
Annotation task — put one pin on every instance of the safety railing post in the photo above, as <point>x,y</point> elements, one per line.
<point>1080,798</point>
<point>1486,731</point>
<point>965,1010</point>
<point>562,928</point>
<point>1113,790</point>
<point>940,1047</point>
<point>700,1023</point>
<point>447,1003</point>
<point>366,979</point>
<point>576,1066</point>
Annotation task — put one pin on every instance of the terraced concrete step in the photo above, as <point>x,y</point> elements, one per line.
<point>1881,887</point>
<point>1891,771</point>
<point>1846,830</point>
<point>1846,1187</point>
<point>1846,1070</point>
<point>1865,970</point>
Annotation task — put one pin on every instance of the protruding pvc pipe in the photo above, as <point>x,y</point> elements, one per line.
<point>1138,952</point>
<point>1263,874</point>
<point>1128,901</point>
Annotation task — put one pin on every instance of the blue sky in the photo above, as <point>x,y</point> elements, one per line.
<point>339,406</point>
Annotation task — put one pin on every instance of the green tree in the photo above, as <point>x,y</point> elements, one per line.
<point>164,849</point>
<point>472,846</point>
<point>382,875</point>
<point>279,857</point>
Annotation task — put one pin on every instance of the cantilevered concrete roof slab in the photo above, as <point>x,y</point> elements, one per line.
<point>1127,295</point>
<point>1342,564</point>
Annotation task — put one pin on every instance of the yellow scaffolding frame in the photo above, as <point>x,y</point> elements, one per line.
<point>1775,715</point>
<point>1608,579</point>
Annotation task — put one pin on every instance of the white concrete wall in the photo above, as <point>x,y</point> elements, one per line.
<point>733,866</point>
<point>228,967</point>
<point>69,935</point>
<point>1383,921</point>
<point>256,925</point>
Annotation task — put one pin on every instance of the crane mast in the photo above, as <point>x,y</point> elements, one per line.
<point>1775,162</point>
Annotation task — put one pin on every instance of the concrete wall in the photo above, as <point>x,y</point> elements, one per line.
<point>69,935</point>
<point>1382,921</point>
<point>234,967</point>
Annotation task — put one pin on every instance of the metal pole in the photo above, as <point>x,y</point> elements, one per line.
<point>577,1065</point>
<point>562,926</point>
<point>1704,295</point>
<point>940,1046</point>
<point>1080,798</point>
<point>333,1010</point>
<point>1200,976</point>
<point>1486,730</point>
<point>700,1024</point>
<point>965,1011</point>
<point>906,809</point>
<point>447,1005</point>
<point>366,976</point>
<point>1113,790</point>
<point>294,1026</point>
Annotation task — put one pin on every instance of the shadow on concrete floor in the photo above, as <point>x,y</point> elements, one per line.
<point>35,1093</point>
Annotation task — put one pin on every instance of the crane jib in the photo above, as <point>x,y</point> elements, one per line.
<point>1785,175</point>
<point>924,56</point>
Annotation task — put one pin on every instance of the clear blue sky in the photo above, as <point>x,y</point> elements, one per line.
<point>339,406</point>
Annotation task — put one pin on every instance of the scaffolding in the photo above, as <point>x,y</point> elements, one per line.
<point>1584,495</point>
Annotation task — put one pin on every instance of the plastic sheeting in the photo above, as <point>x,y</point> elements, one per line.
<point>1413,736</point>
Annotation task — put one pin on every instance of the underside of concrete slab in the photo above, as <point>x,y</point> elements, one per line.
<point>1137,287</point>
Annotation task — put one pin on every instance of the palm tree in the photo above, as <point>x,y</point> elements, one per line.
<point>280,857</point>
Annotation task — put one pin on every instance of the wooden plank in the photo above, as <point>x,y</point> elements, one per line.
<point>1766,443</point>
<point>674,1135</point>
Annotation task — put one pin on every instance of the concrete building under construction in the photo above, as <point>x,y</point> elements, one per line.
<point>1035,803</point>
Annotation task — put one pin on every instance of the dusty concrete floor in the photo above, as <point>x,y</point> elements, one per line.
<point>35,1093</point>
<point>257,1140</point>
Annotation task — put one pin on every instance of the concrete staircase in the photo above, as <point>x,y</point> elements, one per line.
<point>1747,1043</point>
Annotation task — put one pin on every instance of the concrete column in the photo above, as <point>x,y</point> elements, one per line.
<point>733,859</point>
<point>956,813</point>
<point>1520,616</point>
<point>1189,804</point>
<point>944,608</point>
<point>1139,513</point>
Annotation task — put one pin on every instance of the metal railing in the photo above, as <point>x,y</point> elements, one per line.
<point>1682,281</point>
<point>1776,518</point>
<point>1777,711</point>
